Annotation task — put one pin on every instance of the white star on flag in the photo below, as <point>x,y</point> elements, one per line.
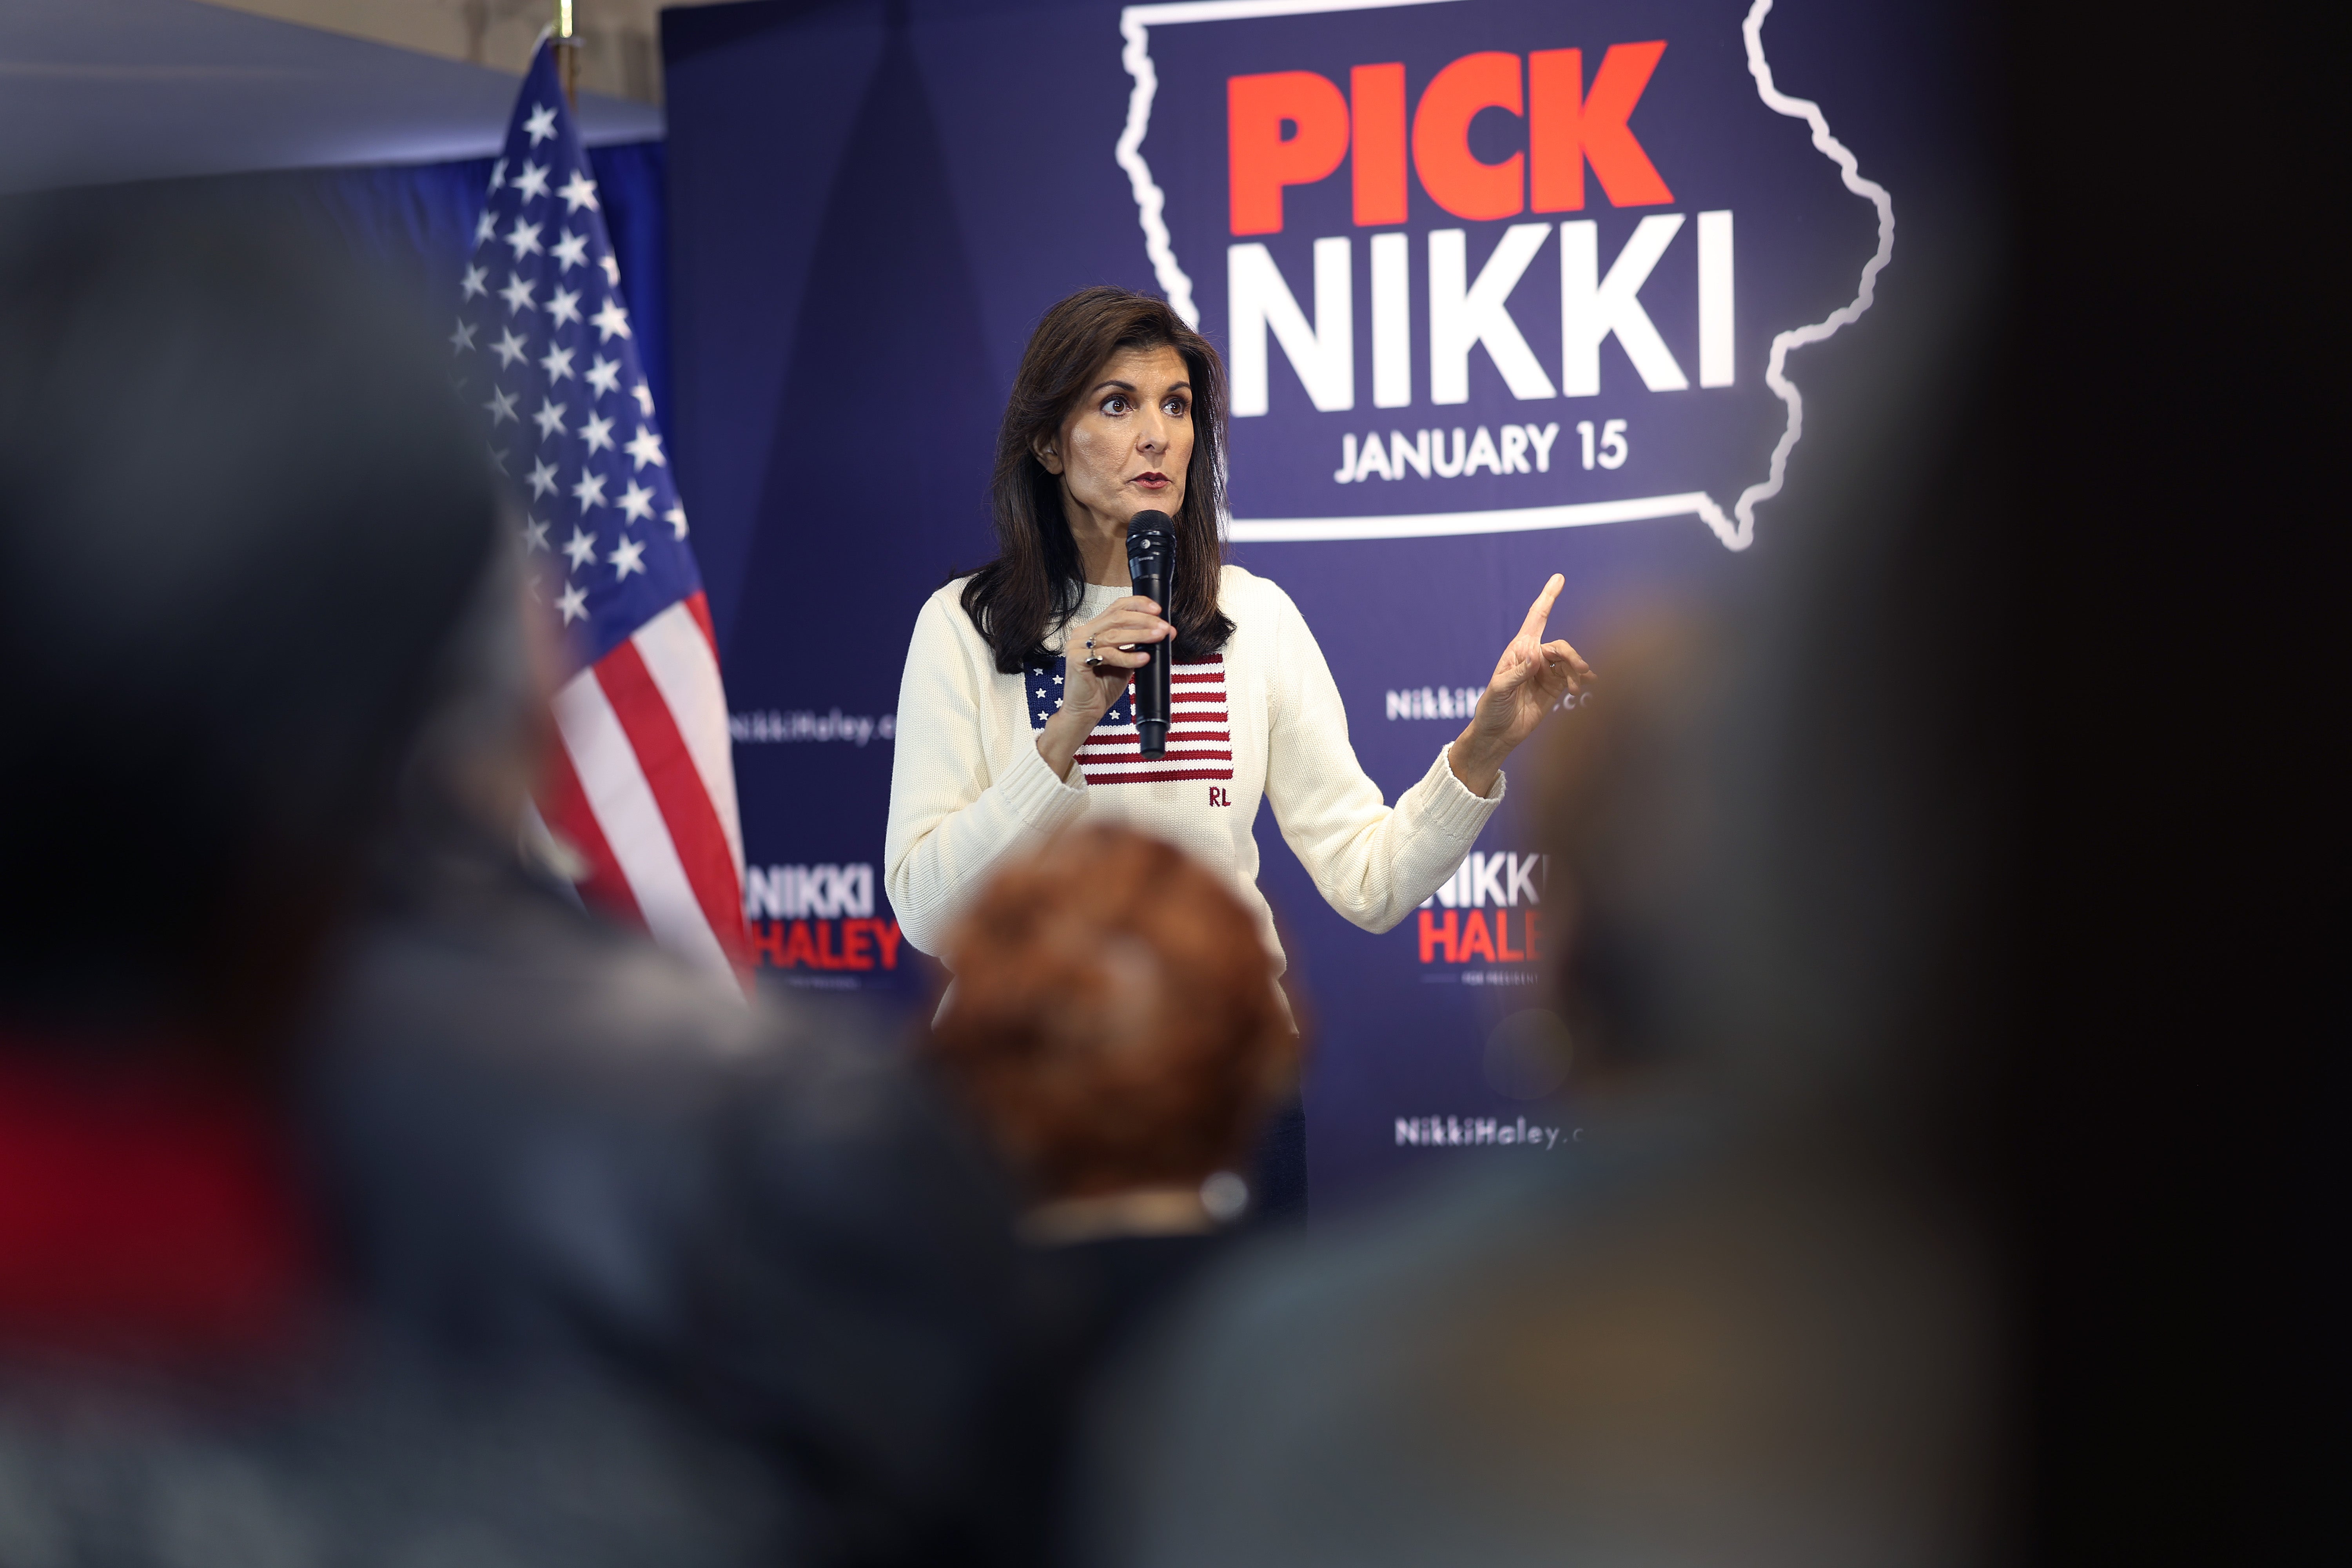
<point>546,310</point>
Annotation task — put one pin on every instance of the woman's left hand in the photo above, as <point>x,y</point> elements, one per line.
<point>1529,679</point>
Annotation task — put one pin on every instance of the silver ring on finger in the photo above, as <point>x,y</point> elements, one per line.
<point>1094,660</point>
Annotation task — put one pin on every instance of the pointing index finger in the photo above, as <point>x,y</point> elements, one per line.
<point>1540,611</point>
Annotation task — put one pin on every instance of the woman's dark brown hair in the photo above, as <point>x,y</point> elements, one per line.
<point>1036,583</point>
<point>1114,1024</point>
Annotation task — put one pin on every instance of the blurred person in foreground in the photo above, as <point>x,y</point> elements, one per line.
<point>240,525</point>
<point>1114,1030</point>
<point>375,1205</point>
<point>1755,1315</point>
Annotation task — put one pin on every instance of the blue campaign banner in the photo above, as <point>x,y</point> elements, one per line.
<point>1504,288</point>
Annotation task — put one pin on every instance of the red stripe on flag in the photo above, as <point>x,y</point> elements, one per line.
<point>1135,756</point>
<point>1136,767</point>
<point>1171,774</point>
<point>565,807</point>
<point>698,605</point>
<point>678,790</point>
<point>1135,743</point>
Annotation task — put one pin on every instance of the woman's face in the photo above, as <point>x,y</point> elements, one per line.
<point>1128,443</point>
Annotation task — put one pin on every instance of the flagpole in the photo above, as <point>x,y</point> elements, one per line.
<point>567,54</point>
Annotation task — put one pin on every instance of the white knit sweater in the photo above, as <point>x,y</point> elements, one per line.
<point>968,788</point>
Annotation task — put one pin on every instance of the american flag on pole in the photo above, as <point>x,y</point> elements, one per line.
<point>1199,729</point>
<point>643,783</point>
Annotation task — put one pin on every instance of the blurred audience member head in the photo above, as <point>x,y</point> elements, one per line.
<point>1115,1026</point>
<point>469,777</point>
<point>1626,813</point>
<point>240,517</point>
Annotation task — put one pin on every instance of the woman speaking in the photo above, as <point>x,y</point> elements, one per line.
<point>1011,718</point>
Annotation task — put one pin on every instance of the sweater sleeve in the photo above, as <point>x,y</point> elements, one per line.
<point>950,820</point>
<point>1372,862</point>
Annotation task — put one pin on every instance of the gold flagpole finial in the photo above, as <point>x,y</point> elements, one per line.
<point>567,53</point>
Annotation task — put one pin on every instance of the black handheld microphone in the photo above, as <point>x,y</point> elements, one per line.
<point>1152,572</point>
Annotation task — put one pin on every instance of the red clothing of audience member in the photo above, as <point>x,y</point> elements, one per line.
<point>144,1211</point>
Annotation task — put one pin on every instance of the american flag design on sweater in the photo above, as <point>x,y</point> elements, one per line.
<point>1200,728</point>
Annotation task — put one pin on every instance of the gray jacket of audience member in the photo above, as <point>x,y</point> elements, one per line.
<point>1673,1351</point>
<point>370,1454</point>
<point>548,1139</point>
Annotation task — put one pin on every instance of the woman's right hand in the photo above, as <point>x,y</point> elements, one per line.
<point>1087,693</point>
